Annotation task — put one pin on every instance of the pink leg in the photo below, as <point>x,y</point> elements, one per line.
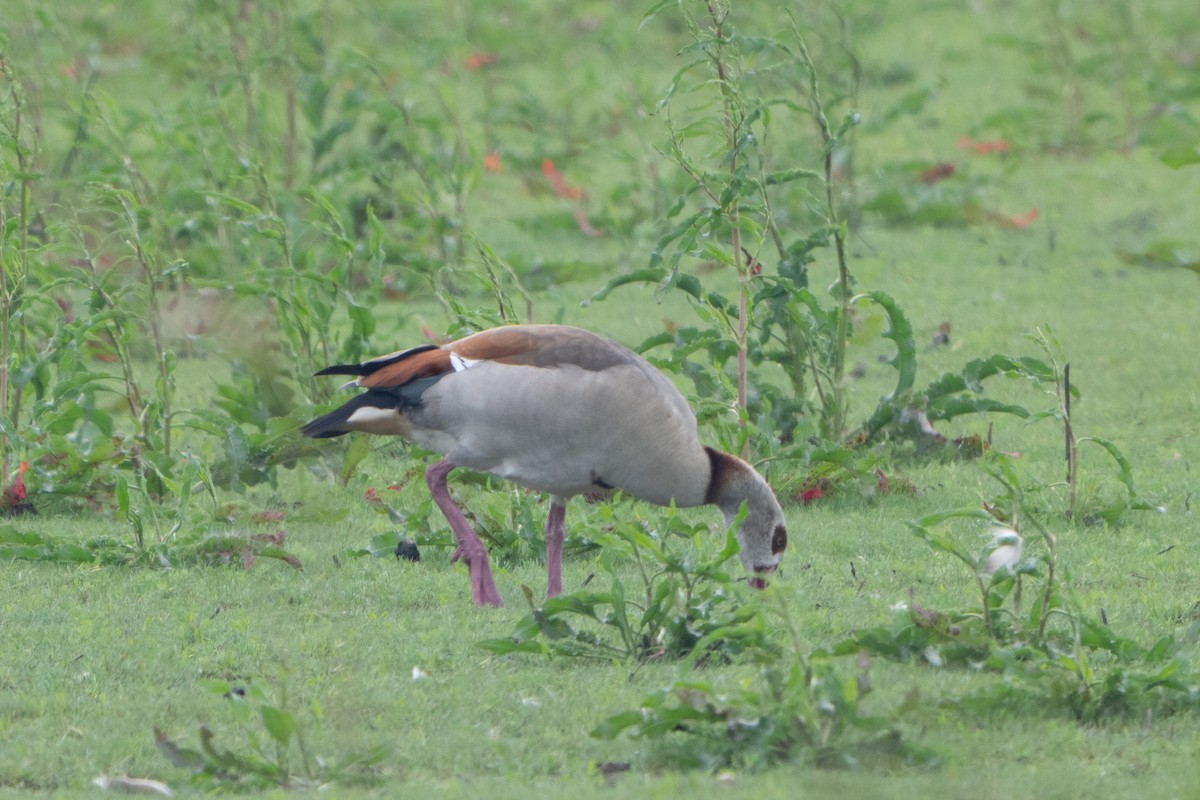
<point>554,545</point>
<point>470,549</point>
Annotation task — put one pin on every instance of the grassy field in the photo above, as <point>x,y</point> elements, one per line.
<point>245,175</point>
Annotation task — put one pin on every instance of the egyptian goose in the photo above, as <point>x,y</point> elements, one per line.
<point>558,410</point>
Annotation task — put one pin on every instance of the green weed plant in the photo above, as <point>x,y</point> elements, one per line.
<point>1050,646</point>
<point>275,750</point>
<point>684,605</point>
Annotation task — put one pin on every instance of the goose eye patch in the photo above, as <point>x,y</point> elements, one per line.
<point>779,540</point>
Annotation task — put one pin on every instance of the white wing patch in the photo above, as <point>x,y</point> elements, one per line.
<point>459,363</point>
<point>387,421</point>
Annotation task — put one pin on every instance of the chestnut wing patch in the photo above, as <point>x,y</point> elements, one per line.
<point>545,346</point>
<point>417,364</point>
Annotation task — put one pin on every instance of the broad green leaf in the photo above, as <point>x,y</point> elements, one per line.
<point>122,494</point>
<point>1180,155</point>
<point>279,723</point>
<point>612,727</point>
<point>945,543</point>
<point>358,449</point>
<point>964,512</point>
<point>10,535</point>
<point>945,408</point>
<point>1125,473</point>
<point>181,757</point>
<point>278,553</point>
<point>503,647</point>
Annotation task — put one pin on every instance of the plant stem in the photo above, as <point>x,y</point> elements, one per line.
<point>289,66</point>
<point>987,610</point>
<point>238,48</point>
<point>1062,60</point>
<point>18,264</point>
<point>1047,595</point>
<point>1070,444</point>
<point>730,120</point>
<point>837,388</point>
<point>154,317</point>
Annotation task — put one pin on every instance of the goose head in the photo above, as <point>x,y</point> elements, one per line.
<point>763,532</point>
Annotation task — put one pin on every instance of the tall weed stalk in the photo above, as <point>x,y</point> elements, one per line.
<point>18,144</point>
<point>725,216</point>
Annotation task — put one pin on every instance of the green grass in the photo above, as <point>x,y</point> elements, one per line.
<point>93,658</point>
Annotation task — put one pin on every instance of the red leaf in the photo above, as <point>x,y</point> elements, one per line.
<point>371,497</point>
<point>808,496</point>
<point>478,60</point>
<point>584,225</point>
<point>556,180</point>
<point>938,172</point>
<point>14,493</point>
<point>1020,221</point>
<point>984,147</point>
<point>491,162</point>
<point>275,538</point>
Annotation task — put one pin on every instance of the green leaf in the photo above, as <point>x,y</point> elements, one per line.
<point>612,727</point>
<point>908,105</point>
<point>789,175</point>
<point>1163,676</point>
<point>358,449</point>
<point>1179,156</point>
<point>122,494</point>
<point>665,100</point>
<point>901,333</point>
<point>964,512</point>
<point>278,553</point>
<point>279,723</point>
<point>502,647</point>
<point>1164,648</point>
<point>10,535</point>
<point>181,757</point>
<point>648,275</point>
<point>940,541</point>
<point>1125,474</point>
<point>945,408</point>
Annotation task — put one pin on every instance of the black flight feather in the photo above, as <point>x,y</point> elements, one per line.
<point>402,398</point>
<point>375,364</point>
